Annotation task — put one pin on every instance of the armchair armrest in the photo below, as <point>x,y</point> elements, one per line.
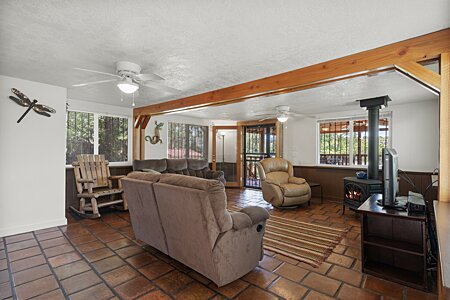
<point>116,177</point>
<point>297,180</point>
<point>85,180</point>
<point>240,220</point>
<point>257,214</point>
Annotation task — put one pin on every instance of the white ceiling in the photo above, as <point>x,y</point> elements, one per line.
<point>335,97</point>
<point>197,46</point>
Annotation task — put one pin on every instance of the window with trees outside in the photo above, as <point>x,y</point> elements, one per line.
<point>344,142</point>
<point>92,133</point>
<point>187,141</point>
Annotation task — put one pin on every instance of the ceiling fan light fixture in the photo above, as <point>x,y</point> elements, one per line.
<point>127,86</point>
<point>282,118</point>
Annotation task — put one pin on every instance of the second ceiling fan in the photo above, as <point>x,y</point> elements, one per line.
<point>129,78</point>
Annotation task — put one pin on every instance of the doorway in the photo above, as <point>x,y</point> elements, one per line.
<point>226,157</point>
<point>260,142</point>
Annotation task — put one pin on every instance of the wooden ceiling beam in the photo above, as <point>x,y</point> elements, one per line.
<point>420,48</point>
<point>421,74</point>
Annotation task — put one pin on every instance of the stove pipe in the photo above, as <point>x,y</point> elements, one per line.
<point>373,105</point>
<point>372,166</point>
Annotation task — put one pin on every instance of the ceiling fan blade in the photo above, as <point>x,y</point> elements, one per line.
<point>266,118</point>
<point>299,115</point>
<point>98,72</point>
<point>159,87</point>
<point>147,77</point>
<point>92,82</point>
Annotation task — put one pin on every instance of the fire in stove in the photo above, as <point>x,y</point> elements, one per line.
<point>353,195</point>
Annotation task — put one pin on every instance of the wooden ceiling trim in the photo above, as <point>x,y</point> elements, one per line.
<point>420,48</point>
<point>421,74</point>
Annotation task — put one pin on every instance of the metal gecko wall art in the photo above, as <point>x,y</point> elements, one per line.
<point>24,101</point>
<point>157,137</point>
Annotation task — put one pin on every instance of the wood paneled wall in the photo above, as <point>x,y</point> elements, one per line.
<point>71,189</point>
<point>332,180</point>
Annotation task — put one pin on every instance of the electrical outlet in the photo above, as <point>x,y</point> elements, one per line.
<point>434,179</point>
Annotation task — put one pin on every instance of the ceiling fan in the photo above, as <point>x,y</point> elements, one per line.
<point>282,113</point>
<point>129,78</point>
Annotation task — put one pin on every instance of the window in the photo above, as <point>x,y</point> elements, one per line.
<point>335,143</point>
<point>335,147</point>
<point>113,138</point>
<point>80,135</point>
<point>92,133</point>
<point>187,141</point>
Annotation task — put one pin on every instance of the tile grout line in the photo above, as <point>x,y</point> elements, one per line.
<point>8,267</point>
<point>91,266</point>
<point>124,260</point>
<point>50,267</point>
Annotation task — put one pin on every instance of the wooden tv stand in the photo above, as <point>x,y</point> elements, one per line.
<point>393,244</point>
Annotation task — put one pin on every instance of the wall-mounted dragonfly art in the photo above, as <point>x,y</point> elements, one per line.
<point>24,101</point>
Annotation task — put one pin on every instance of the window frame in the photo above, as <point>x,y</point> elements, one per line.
<point>386,115</point>
<point>206,143</point>
<point>96,135</point>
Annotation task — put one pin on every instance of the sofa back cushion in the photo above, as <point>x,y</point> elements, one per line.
<point>176,164</point>
<point>146,176</point>
<point>197,164</point>
<point>215,191</point>
<point>189,223</point>
<point>144,212</point>
<point>159,165</point>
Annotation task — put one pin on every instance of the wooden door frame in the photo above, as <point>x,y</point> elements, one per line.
<point>215,129</point>
<point>279,146</point>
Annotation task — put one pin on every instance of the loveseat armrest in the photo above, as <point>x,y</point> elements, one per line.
<point>257,214</point>
<point>297,180</point>
<point>240,220</point>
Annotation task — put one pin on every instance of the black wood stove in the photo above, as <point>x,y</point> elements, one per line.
<point>357,191</point>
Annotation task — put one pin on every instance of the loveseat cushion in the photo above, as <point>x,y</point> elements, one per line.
<point>216,195</point>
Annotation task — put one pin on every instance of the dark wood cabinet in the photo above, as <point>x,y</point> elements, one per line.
<point>393,244</point>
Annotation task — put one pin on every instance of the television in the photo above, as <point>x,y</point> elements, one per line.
<point>390,177</point>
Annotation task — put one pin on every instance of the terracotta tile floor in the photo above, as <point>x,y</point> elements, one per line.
<point>100,259</point>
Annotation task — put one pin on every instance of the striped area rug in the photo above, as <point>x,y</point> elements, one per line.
<point>307,242</point>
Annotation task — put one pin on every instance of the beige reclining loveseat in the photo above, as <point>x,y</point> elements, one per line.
<point>186,218</point>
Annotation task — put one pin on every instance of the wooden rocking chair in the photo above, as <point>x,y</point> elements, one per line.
<point>94,181</point>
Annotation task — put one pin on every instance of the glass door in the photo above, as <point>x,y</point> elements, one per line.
<point>225,154</point>
<point>260,141</point>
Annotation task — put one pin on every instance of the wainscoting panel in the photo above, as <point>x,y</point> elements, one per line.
<point>332,178</point>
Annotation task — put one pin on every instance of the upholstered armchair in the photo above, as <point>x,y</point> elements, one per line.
<point>279,186</point>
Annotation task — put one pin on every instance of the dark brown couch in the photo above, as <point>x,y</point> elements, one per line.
<point>190,167</point>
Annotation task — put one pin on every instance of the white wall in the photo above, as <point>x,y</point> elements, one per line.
<point>415,135</point>
<point>32,159</point>
<point>89,106</point>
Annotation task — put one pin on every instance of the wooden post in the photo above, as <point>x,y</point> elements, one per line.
<point>141,143</point>
<point>444,130</point>
<point>135,140</point>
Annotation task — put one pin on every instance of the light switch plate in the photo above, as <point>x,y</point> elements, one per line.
<point>434,179</point>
